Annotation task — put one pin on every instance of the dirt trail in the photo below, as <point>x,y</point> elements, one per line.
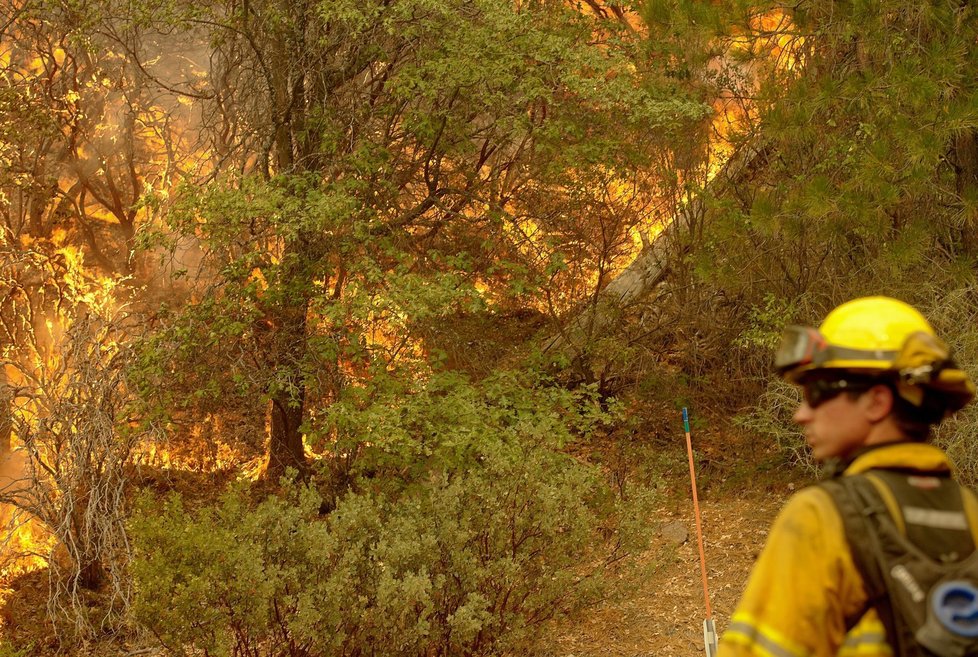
<point>663,617</point>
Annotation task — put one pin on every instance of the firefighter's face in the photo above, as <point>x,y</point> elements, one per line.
<point>835,426</point>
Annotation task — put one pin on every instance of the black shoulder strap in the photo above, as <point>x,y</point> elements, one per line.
<point>858,502</point>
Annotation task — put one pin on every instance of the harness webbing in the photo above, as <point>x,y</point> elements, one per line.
<point>897,517</point>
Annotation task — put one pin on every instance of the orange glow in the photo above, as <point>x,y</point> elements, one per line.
<point>24,542</point>
<point>96,292</point>
<point>27,543</point>
<point>259,278</point>
<point>211,457</point>
<point>771,37</point>
<point>123,152</point>
<point>644,233</point>
<point>200,448</point>
<point>603,9</point>
<point>768,42</point>
<point>38,368</point>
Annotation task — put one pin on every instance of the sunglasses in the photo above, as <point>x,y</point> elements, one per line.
<point>818,391</point>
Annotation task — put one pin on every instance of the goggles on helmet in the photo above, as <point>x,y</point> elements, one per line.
<point>803,345</point>
<point>799,345</point>
<point>924,362</point>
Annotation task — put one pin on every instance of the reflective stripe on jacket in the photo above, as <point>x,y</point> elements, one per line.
<point>804,584</point>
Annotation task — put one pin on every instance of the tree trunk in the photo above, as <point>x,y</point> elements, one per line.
<point>82,543</point>
<point>652,265</point>
<point>964,157</point>
<point>286,408</point>
<point>91,575</point>
<point>285,446</point>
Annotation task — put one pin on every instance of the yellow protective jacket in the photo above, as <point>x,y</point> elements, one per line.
<point>804,583</point>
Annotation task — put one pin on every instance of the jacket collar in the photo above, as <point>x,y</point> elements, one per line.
<point>905,455</point>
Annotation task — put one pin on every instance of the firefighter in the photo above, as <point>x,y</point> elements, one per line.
<point>875,380</point>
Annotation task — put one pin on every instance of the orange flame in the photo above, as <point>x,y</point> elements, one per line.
<point>24,542</point>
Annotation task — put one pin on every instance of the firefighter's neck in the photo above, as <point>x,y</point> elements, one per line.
<point>882,433</point>
<point>885,431</point>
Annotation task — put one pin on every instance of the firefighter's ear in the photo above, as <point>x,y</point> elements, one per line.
<point>878,403</point>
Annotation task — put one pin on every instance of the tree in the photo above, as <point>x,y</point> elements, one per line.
<point>868,129</point>
<point>390,157</point>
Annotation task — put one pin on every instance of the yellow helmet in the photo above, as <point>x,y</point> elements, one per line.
<point>877,336</point>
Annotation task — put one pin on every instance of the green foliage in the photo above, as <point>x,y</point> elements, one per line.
<point>766,323</point>
<point>868,179</point>
<point>460,526</point>
<point>853,172</point>
<point>468,560</point>
<point>8,650</point>
<point>443,168</point>
<point>399,434</point>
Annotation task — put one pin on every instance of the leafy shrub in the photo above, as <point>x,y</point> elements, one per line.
<point>391,435</point>
<point>7,650</point>
<point>487,532</point>
<point>462,567</point>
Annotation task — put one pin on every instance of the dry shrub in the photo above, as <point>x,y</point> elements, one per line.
<point>69,419</point>
<point>771,418</point>
<point>954,315</point>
